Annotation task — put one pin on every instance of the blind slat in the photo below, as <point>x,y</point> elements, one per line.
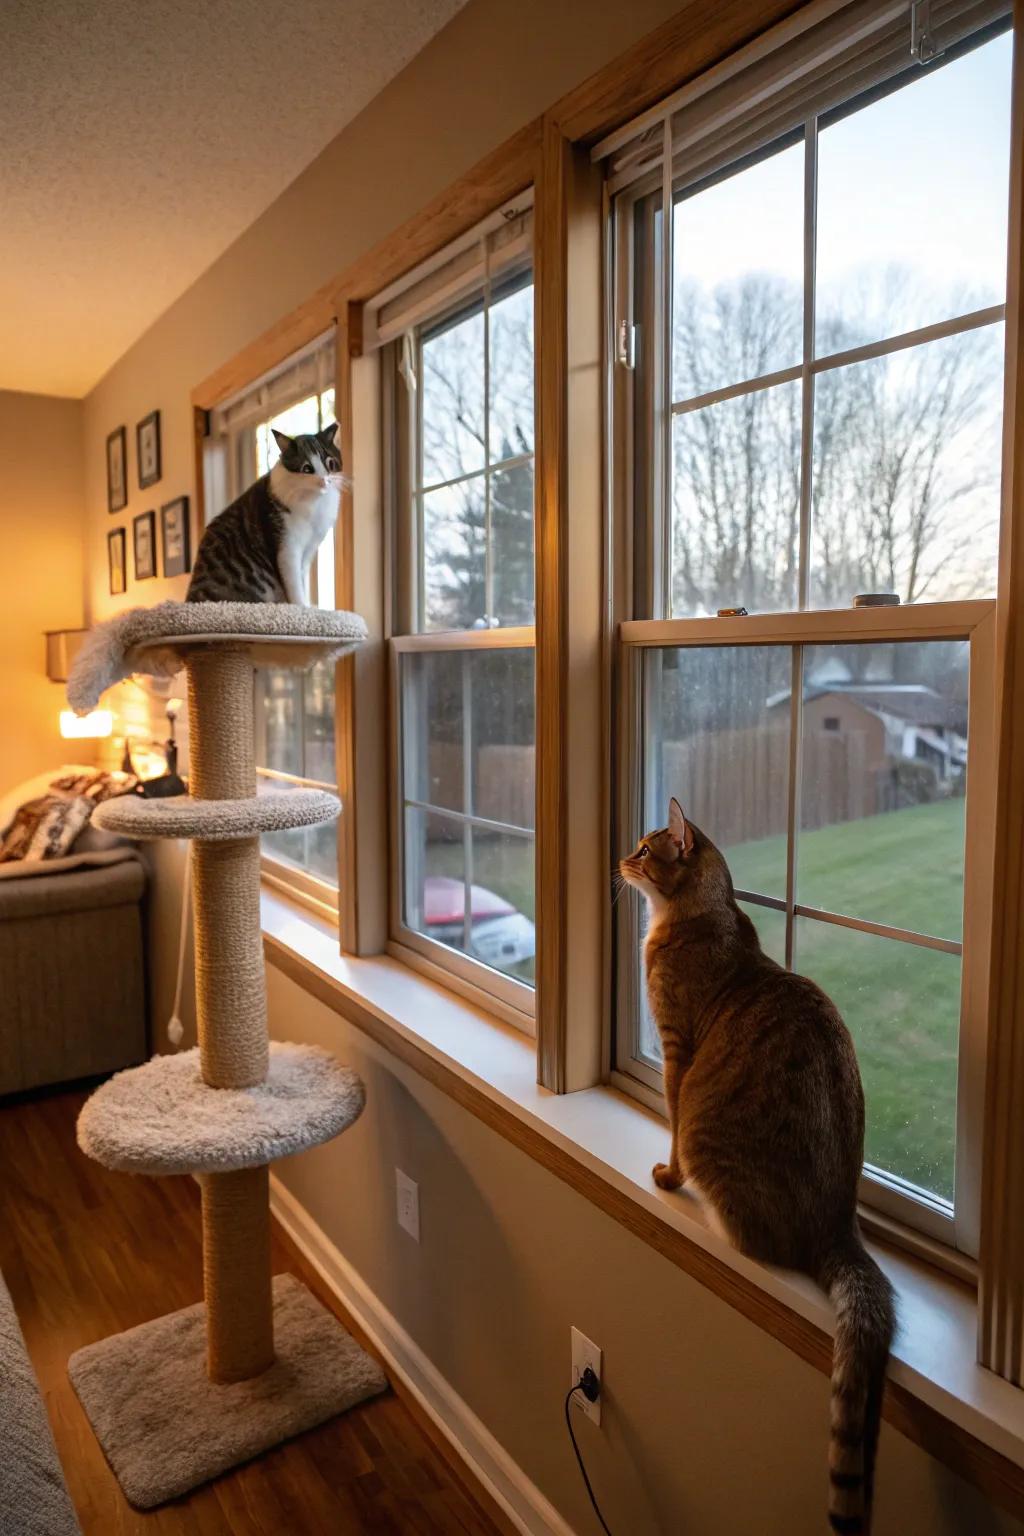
<point>306,372</point>
<point>815,60</point>
<point>496,247</point>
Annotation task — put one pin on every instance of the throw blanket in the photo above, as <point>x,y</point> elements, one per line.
<point>46,826</point>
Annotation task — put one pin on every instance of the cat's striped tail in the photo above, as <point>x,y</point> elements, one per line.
<point>865,1322</point>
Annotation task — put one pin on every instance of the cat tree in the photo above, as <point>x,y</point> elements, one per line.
<point>177,1400</point>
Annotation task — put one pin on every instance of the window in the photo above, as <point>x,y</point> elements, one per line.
<point>810,379</point>
<point>460,384</point>
<point>294,710</point>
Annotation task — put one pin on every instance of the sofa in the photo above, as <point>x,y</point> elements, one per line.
<point>73,999</point>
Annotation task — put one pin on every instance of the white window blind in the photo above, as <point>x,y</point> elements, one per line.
<point>826,54</point>
<point>307,372</point>
<point>497,246</point>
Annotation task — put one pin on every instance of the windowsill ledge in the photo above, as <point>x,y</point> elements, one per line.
<point>603,1143</point>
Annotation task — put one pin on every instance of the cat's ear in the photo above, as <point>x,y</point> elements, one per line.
<point>329,434</point>
<point>679,827</point>
<point>283,441</point>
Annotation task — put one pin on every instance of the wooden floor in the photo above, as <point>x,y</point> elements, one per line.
<point>86,1253</point>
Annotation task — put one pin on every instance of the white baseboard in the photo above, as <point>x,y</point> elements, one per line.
<point>491,1465</point>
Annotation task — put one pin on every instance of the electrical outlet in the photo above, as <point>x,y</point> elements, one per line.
<point>408,1196</point>
<point>585,1353</point>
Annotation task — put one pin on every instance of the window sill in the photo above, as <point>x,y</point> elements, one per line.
<point>604,1143</point>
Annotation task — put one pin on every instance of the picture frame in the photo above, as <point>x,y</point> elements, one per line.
<point>175,537</point>
<point>117,470</point>
<point>144,545</point>
<point>147,450</point>
<point>117,562</point>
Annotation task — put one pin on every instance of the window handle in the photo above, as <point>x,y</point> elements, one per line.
<point>626,355</point>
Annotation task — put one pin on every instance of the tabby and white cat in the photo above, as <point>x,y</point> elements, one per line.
<point>766,1114</point>
<point>260,549</point>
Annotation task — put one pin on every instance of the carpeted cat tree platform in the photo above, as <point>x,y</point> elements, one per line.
<point>178,1400</point>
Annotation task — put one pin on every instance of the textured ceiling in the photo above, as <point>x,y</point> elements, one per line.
<point>140,137</point>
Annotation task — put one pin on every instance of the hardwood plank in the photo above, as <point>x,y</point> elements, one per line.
<point>86,1253</point>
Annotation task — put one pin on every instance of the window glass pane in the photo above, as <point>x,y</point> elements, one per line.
<point>912,203</point>
<point>454,556</point>
<point>884,777</point>
<point>901,1003</point>
<point>717,739</point>
<point>313,849</point>
<point>432,715</point>
<point>435,887</point>
<point>486,695</point>
<point>452,379</point>
<point>502,933</point>
<point>512,543</point>
<point>298,419</point>
<point>907,473</point>
<point>736,504</point>
<point>511,374</point>
<point>503,735</point>
<point>738,276</point>
<point>327,411</point>
<point>771,929</point>
<point>318,722</point>
<point>279,707</point>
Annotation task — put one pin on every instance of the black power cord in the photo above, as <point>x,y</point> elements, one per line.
<point>590,1386</point>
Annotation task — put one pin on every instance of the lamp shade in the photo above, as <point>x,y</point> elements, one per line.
<point>61,648</point>
<point>99,722</point>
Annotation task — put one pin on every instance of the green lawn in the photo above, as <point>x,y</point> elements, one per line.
<point>900,1001</point>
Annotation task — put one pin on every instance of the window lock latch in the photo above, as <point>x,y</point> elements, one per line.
<point>626,354</point>
<point>923,47</point>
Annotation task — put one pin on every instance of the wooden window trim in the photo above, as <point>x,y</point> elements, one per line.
<point>1001,1287</point>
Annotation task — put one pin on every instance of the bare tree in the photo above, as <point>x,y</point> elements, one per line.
<point>461,433</point>
<point>903,477</point>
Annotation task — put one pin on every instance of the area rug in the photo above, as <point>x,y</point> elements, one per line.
<point>165,1427</point>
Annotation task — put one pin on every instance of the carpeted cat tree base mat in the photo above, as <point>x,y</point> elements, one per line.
<point>156,640</point>
<point>275,810</point>
<point>165,1427</point>
<point>162,1118</point>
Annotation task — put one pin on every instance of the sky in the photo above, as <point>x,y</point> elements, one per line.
<point>918,178</point>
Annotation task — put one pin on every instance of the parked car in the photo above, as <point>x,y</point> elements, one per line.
<point>500,935</point>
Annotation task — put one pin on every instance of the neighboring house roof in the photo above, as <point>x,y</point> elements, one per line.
<point>912,702</point>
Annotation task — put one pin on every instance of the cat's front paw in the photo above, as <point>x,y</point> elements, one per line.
<point>667,1175</point>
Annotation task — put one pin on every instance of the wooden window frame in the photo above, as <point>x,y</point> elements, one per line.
<point>911,1210</point>
<point>639,291</point>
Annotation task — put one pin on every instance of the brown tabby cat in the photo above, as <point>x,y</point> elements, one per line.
<point>766,1114</point>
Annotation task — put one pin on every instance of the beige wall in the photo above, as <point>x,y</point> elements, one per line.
<point>41,508</point>
<point>711,1426</point>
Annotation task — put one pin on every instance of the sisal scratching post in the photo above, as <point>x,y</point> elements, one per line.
<point>231,1013</point>
<point>180,1399</point>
